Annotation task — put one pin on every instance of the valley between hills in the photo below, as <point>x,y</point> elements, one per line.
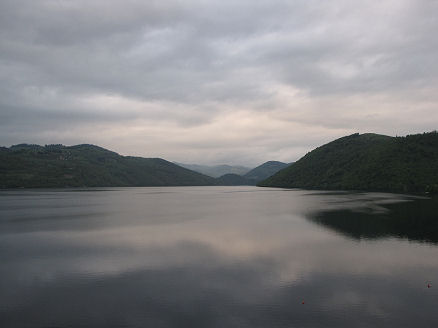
<point>368,162</point>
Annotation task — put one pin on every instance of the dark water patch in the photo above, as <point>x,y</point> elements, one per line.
<point>416,220</point>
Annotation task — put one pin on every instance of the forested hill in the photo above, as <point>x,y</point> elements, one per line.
<point>265,170</point>
<point>216,171</point>
<point>32,166</point>
<point>366,162</point>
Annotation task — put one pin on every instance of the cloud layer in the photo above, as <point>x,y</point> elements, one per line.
<point>215,81</point>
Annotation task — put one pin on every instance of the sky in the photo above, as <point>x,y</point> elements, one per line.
<point>212,82</point>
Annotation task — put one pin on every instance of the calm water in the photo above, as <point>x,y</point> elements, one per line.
<point>217,257</point>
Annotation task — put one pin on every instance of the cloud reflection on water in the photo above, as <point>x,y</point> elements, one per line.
<point>207,257</point>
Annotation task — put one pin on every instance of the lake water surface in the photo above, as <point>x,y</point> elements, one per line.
<point>217,257</point>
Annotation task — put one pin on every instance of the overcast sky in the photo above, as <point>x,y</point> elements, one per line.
<point>211,82</point>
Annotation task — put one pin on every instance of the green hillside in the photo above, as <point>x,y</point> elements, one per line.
<point>265,170</point>
<point>366,162</point>
<point>216,171</point>
<point>32,166</point>
<point>231,179</point>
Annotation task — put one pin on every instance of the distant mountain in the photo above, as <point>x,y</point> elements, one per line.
<point>265,170</point>
<point>366,162</point>
<point>234,180</point>
<point>217,170</point>
<point>88,165</point>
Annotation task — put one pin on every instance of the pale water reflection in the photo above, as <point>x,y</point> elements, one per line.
<point>216,257</point>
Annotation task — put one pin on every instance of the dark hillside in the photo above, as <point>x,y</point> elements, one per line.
<point>234,180</point>
<point>265,170</point>
<point>29,166</point>
<point>366,162</point>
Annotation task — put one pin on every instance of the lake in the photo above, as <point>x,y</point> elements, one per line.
<point>217,257</point>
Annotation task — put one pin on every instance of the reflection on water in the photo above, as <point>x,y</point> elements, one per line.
<point>216,257</point>
<point>414,220</point>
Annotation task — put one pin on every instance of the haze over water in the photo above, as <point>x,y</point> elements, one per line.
<point>217,257</point>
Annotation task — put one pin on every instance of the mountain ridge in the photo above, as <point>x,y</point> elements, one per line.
<point>265,170</point>
<point>369,162</point>
<point>216,171</point>
<point>33,166</point>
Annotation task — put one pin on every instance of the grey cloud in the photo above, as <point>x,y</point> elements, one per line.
<point>198,60</point>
